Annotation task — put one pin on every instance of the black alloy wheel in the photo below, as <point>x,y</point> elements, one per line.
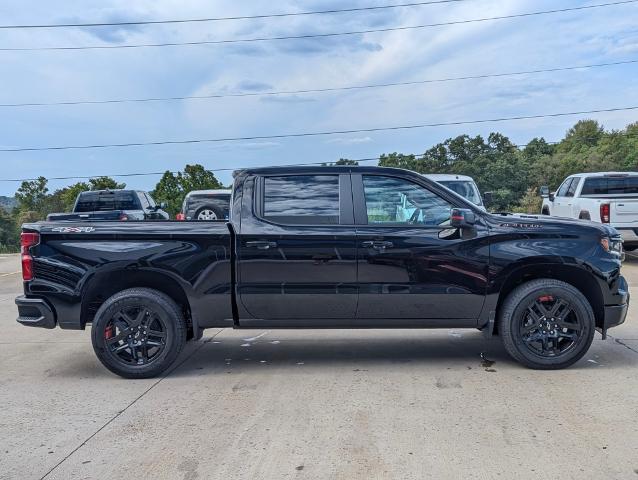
<point>135,335</point>
<point>138,333</point>
<point>546,324</point>
<point>549,326</point>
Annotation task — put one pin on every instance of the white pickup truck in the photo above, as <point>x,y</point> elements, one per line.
<point>604,197</point>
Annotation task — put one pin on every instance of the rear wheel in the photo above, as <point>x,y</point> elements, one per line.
<point>546,324</point>
<point>138,333</point>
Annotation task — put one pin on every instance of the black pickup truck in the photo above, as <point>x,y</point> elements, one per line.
<point>326,247</point>
<point>113,205</point>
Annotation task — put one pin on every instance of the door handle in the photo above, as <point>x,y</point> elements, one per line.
<point>377,244</point>
<point>261,244</point>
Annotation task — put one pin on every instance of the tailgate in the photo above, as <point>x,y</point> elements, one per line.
<point>624,211</point>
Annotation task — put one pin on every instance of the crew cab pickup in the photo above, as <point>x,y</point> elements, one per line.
<point>113,205</point>
<point>326,247</point>
<point>605,197</point>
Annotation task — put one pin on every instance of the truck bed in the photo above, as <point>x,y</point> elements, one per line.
<point>73,258</point>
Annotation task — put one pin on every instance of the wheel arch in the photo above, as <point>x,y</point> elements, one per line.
<point>584,215</point>
<point>578,277</point>
<point>103,285</point>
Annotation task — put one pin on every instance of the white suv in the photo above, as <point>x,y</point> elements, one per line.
<point>604,197</point>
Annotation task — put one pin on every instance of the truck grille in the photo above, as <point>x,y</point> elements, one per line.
<point>56,275</point>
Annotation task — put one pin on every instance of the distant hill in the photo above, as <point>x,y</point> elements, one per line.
<point>7,203</point>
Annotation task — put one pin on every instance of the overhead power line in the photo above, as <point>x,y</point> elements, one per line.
<point>238,17</point>
<point>417,156</point>
<point>318,90</point>
<point>320,35</point>
<point>145,174</point>
<point>314,134</point>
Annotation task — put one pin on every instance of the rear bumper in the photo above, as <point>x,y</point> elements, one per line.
<point>629,235</point>
<point>35,312</point>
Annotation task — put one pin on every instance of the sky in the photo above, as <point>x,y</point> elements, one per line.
<point>535,42</point>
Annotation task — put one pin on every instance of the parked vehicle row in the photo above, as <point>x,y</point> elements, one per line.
<point>326,247</point>
<point>605,197</point>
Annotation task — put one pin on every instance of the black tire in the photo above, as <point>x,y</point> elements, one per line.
<point>134,323</point>
<point>584,216</point>
<point>211,208</point>
<point>568,344</point>
<point>545,211</point>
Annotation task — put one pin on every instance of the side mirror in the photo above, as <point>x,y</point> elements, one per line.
<point>462,218</point>
<point>488,198</point>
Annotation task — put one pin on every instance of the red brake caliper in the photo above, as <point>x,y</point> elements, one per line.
<point>546,298</point>
<point>108,332</point>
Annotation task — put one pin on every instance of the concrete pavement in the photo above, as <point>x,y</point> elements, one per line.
<point>314,404</point>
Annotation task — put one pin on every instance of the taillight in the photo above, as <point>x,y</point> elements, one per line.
<point>180,216</point>
<point>28,240</point>
<point>605,210</point>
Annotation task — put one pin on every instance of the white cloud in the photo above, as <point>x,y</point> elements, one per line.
<point>349,141</point>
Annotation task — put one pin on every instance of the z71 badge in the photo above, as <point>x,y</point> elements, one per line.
<point>73,229</point>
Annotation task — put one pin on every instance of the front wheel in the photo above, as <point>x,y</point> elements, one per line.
<point>138,333</point>
<point>546,324</point>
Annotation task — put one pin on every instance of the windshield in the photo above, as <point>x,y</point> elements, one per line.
<point>466,189</point>
<point>104,201</point>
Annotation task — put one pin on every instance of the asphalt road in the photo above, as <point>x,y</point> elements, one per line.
<point>315,404</point>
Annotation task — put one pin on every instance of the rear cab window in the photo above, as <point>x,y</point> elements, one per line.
<point>620,185</point>
<point>301,199</point>
<point>105,201</point>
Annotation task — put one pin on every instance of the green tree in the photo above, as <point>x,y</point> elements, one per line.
<point>104,183</point>
<point>69,194</point>
<point>196,177</point>
<point>32,195</point>
<point>172,188</point>
<point>169,190</point>
<point>9,239</point>
<point>341,162</point>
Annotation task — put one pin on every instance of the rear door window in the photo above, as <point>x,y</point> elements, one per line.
<point>301,199</point>
<point>562,191</point>
<point>572,187</point>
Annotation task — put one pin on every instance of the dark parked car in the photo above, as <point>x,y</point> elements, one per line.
<point>113,205</point>
<point>206,205</point>
<point>327,247</point>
